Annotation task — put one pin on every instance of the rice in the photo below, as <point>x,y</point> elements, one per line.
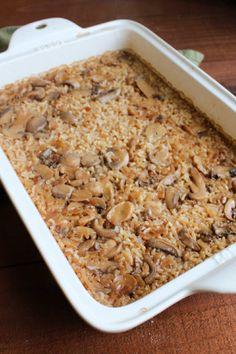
<point>134,183</point>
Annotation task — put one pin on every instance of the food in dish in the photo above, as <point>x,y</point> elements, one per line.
<point>134,183</point>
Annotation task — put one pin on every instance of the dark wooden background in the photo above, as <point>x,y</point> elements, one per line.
<point>34,315</point>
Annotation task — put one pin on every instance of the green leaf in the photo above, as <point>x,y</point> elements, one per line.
<point>5,35</point>
<point>193,55</point>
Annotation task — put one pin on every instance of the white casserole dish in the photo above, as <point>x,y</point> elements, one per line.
<point>33,50</point>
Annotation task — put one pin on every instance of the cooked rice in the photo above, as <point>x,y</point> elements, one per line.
<point>151,149</point>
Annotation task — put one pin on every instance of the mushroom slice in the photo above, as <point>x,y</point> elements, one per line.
<point>112,252</point>
<point>234,185</point>
<point>68,117</point>
<point>219,172</point>
<point>90,159</point>
<point>37,94</point>
<point>85,232</point>
<point>85,246</point>
<point>160,157</point>
<point>117,158</point>
<point>6,116</point>
<point>73,83</point>
<point>229,209</point>
<point>60,76</point>
<point>198,164</point>
<point>223,230</point>
<point>153,209</point>
<point>53,94</point>
<point>172,198</point>
<point>170,179</point>
<point>153,270</point>
<point>108,190</point>
<point>62,191</point>
<point>81,195</point>
<point>50,158</point>
<point>188,241</point>
<point>38,82</point>
<point>128,284</point>
<point>44,171</point>
<point>155,131</point>
<point>145,88</point>
<point>17,129</point>
<point>232,172</point>
<point>120,212</point>
<point>36,124</point>
<point>106,96</point>
<point>197,186</point>
<point>71,159</point>
<point>98,202</point>
<point>165,246</point>
<point>107,233</point>
<point>96,188</point>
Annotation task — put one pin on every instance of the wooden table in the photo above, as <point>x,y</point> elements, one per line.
<point>34,315</point>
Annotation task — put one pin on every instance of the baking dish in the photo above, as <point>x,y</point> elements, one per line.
<point>42,45</point>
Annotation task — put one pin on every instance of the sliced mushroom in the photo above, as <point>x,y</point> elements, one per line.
<point>81,195</point>
<point>117,158</point>
<point>68,117</point>
<point>223,229</point>
<point>198,164</point>
<point>85,246</point>
<point>99,203</point>
<point>71,159</point>
<point>232,172</point>
<point>219,172</point>
<point>44,171</point>
<point>102,232</point>
<point>60,76</point>
<point>164,245</point>
<point>96,188</point>
<point>160,157</point>
<point>234,185</point>
<point>145,88</point>
<point>37,94</point>
<point>106,96</point>
<point>109,244</point>
<point>62,191</point>
<point>188,241</point>
<point>170,179</point>
<point>152,208</point>
<point>155,131</point>
<point>38,82</point>
<point>36,124</point>
<point>85,232</point>
<point>89,159</point>
<point>53,94</point>
<point>108,190</point>
<point>81,178</point>
<point>6,116</point>
<point>153,270</point>
<point>229,209</point>
<point>172,197</point>
<point>112,252</point>
<point>17,129</point>
<point>73,83</point>
<point>197,186</point>
<point>50,158</point>
<point>120,213</point>
<point>128,285</point>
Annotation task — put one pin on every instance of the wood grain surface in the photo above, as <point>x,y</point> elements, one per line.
<point>34,315</point>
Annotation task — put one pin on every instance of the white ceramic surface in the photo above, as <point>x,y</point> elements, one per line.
<point>33,50</point>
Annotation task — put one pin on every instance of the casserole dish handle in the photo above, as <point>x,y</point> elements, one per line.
<point>223,280</point>
<point>38,34</point>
